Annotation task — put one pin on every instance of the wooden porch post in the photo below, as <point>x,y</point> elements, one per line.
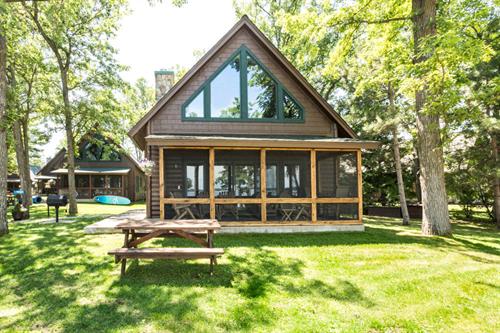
<point>90,186</point>
<point>360,188</point>
<point>314,211</point>
<point>211,180</point>
<point>263,186</point>
<point>161,184</point>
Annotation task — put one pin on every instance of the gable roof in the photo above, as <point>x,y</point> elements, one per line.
<point>47,168</point>
<point>244,22</point>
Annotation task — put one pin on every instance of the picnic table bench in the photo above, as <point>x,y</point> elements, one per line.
<point>138,232</point>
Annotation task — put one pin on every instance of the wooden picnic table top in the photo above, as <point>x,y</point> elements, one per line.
<point>184,225</point>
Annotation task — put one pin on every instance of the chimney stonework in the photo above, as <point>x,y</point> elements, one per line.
<point>164,80</point>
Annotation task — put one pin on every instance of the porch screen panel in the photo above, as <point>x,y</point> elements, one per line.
<point>344,211</point>
<point>187,212</point>
<point>337,174</point>
<point>288,212</point>
<point>237,174</point>
<point>186,173</point>
<point>238,212</point>
<point>289,174</point>
<point>83,186</point>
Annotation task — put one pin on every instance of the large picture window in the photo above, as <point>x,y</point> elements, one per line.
<point>225,92</point>
<point>261,92</point>
<point>242,89</point>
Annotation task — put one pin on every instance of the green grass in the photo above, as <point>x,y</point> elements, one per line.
<point>387,279</point>
<point>479,214</point>
<point>39,211</point>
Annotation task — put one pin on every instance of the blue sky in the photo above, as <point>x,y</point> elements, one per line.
<point>162,36</point>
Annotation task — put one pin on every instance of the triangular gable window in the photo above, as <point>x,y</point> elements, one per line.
<point>242,89</point>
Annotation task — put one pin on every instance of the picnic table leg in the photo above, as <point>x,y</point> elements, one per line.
<point>210,242</point>
<point>124,266</point>
<point>124,260</point>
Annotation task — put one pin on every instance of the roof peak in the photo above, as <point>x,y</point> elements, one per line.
<point>244,21</point>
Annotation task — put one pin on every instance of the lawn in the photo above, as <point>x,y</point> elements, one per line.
<point>387,279</point>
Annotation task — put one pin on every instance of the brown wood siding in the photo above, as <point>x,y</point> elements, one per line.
<point>169,119</point>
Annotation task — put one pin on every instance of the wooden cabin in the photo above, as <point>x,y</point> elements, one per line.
<point>102,167</point>
<point>245,139</point>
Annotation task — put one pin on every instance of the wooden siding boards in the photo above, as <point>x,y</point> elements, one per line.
<point>169,118</point>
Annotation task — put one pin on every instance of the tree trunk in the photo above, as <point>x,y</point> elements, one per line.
<point>397,159</point>
<point>22,162</point>
<point>416,174</point>
<point>399,176</point>
<point>435,220</point>
<point>496,184</point>
<point>70,154</point>
<point>4,227</point>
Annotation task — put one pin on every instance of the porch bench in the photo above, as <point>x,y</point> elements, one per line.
<point>122,254</point>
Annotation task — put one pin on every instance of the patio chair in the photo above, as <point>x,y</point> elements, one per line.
<point>181,210</point>
<point>287,210</point>
<point>223,210</point>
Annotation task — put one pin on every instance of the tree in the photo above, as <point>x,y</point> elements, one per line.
<point>484,94</point>
<point>4,228</point>
<point>77,33</point>
<point>138,99</point>
<point>24,68</point>
<point>471,172</point>
<point>435,219</point>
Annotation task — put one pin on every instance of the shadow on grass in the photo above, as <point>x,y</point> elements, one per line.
<point>53,274</point>
<point>343,291</point>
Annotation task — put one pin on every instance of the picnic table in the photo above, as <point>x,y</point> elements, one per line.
<point>136,232</point>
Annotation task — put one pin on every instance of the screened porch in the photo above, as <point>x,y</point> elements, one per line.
<point>261,185</point>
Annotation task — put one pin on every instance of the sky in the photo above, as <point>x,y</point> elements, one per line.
<point>162,36</point>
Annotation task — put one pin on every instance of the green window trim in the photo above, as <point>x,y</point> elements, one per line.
<point>281,91</point>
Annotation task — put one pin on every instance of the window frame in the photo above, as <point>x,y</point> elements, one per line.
<point>205,88</point>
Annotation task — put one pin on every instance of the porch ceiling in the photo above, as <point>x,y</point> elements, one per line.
<point>259,142</point>
<point>94,171</point>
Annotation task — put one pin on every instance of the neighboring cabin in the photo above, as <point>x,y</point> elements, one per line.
<point>102,167</point>
<point>243,138</point>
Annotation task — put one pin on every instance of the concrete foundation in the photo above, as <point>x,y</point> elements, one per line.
<point>107,226</point>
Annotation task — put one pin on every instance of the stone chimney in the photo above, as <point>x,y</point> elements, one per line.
<point>164,80</point>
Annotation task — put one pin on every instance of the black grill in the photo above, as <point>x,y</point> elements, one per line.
<point>56,201</point>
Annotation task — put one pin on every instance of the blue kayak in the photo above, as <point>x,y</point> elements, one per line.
<point>111,200</point>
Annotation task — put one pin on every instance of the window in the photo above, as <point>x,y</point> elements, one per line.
<point>82,181</point>
<point>271,181</point>
<point>225,92</point>
<point>261,92</point>
<point>242,90</point>
<point>195,183</point>
<point>290,108</point>
<point>222,179</point>
<point>98,150</point>
<point>115,181</point>
<point>292,179</point>
<point>244,180</point>
<point>98,181</point>
<point>195,108</point>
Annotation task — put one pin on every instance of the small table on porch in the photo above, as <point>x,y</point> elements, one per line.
<point>138,232</point>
